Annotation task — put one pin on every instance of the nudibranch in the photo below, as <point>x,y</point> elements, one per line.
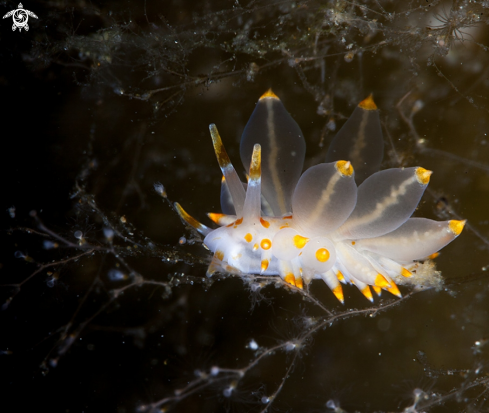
<point>342,221</point>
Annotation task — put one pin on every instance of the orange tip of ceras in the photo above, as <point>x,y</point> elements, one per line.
<point>189,219</point>
<point>393,289</point>
<point>289,278</point>
<point>368,103</point>
<point>456,226</point>
<point>269,94</point>
<point>338,292</point>
<point>215,217</point>
<point>381,282</point>
<point>377,290</point>
<point>221,154</point>
<point>341,277</point>
<point>344,168</point>
<point>423,175</point>
<point>368,294</point>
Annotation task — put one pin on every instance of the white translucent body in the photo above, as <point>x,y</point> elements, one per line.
<point>320,224</point>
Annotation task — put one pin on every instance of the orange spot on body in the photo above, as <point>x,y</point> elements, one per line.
<point>322,255</point>
<point>248,237</point>
<point>287,217</point>
<point>266,244</point>
<point>219,255</point>
<point>266,224</point>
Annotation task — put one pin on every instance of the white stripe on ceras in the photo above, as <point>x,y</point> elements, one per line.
<point>361,142</point>
<point>323,199</point>
<point>392,199</point>
<point>273,157</point>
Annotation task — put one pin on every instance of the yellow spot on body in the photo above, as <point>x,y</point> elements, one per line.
<point>344,168</point>
<point>340,276</point>
<point>299,241</point>
<point>368,103</point>
<point>381,282</point>
<point>353,243</point>
<point>322,255</point>
<point>219,255</point>
<point>456,226</point>
<point>248,237</point>
<point>338,292</point>
<point>255,247</point>
<point>289,278</point>
<point>406,273</point>
<point>269,94</point>
<point>215,217</point>
<point>393,289</point>
<point>423,175</point>
<point>299,283</point>
<point>264,265</point>
<point>266,224</point>
<point>367,293</point>
<point>266,244</point>
<point>377,290</point>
